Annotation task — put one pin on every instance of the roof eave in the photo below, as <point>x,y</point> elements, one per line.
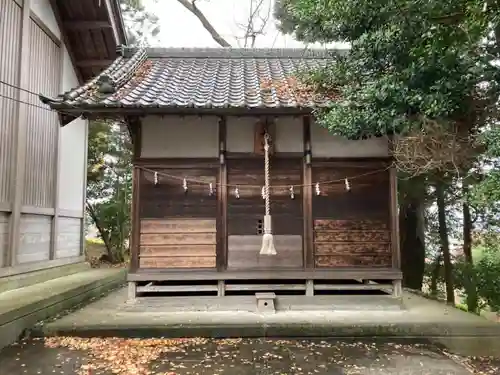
<point>68,113</point>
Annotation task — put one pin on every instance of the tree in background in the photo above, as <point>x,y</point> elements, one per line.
<point>109,171</point>
<point>257,20</point>
<point>419,71</point>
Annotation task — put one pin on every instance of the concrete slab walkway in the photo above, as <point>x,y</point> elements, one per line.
<point>22,308</point>
<point>421,318</point>
<point>227,356</point>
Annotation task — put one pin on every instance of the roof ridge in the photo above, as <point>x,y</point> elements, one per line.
<point>231,52</point>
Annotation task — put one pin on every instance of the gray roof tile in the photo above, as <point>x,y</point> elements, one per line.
<point>202,78</point>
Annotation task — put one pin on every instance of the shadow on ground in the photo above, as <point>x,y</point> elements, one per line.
<point>227,356</point>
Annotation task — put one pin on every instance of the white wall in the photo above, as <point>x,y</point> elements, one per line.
<point>180,137</point>
<point>194,136</point>
<point>43,10</point>
<point>324,144</point>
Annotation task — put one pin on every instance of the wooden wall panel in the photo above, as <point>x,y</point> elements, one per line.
<point>351,228</point>
<point>10,38</point>
<point>168,199</point>
<point>42,127</point>
<point>177,243</point>
<point>243,252</point>
<point>244,214</point>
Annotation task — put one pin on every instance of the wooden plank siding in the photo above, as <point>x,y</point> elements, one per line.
<point>178,228</point>
<point>245,214</point>
<point>351,228</point>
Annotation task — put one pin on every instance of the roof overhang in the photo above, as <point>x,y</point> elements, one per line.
<point>92,31</point>
<point>66,115</point>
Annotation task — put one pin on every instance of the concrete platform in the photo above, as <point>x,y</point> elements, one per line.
<point>298,316</point>
<point>22,308</point>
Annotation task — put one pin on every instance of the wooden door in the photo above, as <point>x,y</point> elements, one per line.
<point>245,214</point>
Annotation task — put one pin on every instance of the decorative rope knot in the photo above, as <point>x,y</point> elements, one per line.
<point>267,239</point>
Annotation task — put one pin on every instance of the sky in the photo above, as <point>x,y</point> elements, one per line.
<point>180,28</point>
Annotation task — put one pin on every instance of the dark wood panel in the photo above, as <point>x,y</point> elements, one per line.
<point>350,260</point>
<point>244,214</point>
<point>169,200</point>
<point>352,236</point>
<point>243,252</point>
<point>351,248</point>
<point>177,262</point>
<point>367,198</point>
<point>177,225</point>
<point>177,250</point>
<point>327,224</point>
<point>178,239</point>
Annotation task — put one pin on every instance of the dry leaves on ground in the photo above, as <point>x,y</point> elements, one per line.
<point>121,356</point>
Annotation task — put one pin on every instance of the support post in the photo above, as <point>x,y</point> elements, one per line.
<point>132,291</point>
<point>308,240</point>
<point>84,193</point>
<point>19,160</point>
<point>221,255</point>
<point>54,233</point>
<point>136,128</point>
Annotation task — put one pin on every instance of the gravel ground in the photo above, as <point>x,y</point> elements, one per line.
<point>96,356</point>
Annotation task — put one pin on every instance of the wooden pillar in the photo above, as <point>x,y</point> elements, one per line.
<point>84,193</point>
<point>221,255</point>
<point>136,129</point>
<point>54,233</point>
<point>307,196</point>
<point>396,254</point>
<point>19,160</point>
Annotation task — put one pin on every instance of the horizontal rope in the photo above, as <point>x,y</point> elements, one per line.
<point>200,182</point>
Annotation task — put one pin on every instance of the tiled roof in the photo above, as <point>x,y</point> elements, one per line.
<point>201,78</point>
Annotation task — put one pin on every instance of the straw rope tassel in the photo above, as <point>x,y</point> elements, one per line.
<point>267,239</point>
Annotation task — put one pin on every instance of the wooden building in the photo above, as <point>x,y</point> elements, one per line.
<point>46,46</point>
<point>198,119</point>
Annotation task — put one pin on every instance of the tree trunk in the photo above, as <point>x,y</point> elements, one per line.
<point>435,275</point>
<point>102,232</point>
<point>470,273</point>
<point>445,245</point>
<point>412,240</point>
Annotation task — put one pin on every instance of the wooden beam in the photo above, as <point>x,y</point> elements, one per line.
<point>54,233</point>
<point>393,180</point>
<point>93,63</point>
<point>222,204</point>
<point>86,25</point>
<point>136,127</point>
<point>84,187</point>
<point>342,273</point>
<point>64,38</point>
<point>19,160</point>
<point>307,197</point>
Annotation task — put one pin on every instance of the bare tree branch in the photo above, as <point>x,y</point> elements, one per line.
<point>191,6</point>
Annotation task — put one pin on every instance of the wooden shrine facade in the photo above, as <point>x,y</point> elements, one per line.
<point>198,209</point>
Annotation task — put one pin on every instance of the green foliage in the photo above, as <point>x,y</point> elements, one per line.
<point>409,61</point>
<point>109,180</point>
<point>141,24</point>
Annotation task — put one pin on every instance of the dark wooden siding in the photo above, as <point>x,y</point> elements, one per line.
<point>245,215</point>
<point>178,229</point>
<point>351,228</point>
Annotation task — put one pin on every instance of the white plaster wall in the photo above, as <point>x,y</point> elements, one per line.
<point>72,170</point>
<point>43,10</point>
<point>180,137</point>
<point>68,241</point>
<point>34,245</point>
<point>324,144</point>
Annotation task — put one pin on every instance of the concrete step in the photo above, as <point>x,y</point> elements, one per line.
<point>420,318</point>
<point>21,309</point>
